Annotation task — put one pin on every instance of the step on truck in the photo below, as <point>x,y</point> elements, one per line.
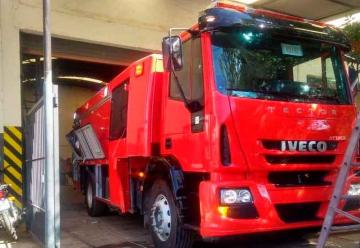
<point>239,127</point>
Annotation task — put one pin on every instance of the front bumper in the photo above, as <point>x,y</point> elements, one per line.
<point>269,202</point>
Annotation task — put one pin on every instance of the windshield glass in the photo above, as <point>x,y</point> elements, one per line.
<point>260,64</point>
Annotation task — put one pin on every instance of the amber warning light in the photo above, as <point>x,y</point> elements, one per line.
<point>139,69</point>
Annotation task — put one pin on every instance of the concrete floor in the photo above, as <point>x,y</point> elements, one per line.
<point>113,231</point>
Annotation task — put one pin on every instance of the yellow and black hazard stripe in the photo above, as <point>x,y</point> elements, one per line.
<point>13,162</point>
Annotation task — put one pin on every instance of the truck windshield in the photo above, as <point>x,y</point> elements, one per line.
<point>252,63</point>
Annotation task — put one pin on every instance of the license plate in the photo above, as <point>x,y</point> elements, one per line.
<point>4,205</point>
<point>293,50</point>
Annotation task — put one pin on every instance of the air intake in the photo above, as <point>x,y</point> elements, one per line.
<point>225,146</point>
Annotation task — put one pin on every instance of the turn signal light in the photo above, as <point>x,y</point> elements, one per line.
<point>223,211</point>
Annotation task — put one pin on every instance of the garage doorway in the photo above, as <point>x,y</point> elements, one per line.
<point>79,70</point>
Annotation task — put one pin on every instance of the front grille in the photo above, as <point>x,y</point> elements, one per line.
<point>300,159</point>
<point>290,213</point>
<point>276,145</point>
<point>298,178</point>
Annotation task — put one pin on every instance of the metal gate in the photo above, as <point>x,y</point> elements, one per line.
<point>35,168</point>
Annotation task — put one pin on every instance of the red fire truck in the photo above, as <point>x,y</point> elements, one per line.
<point>238,127</point>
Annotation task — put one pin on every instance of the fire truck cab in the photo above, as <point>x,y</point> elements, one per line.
<point>240,127</point>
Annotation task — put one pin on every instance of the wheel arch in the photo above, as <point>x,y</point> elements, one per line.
<point>184,186</point>
<point>167,169</point>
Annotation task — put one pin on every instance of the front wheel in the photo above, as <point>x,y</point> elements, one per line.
<point>165,227</point>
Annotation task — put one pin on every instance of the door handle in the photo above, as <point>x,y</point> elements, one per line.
<point>168,143</point>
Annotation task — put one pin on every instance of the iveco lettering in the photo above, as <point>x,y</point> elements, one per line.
<point>304,146</point>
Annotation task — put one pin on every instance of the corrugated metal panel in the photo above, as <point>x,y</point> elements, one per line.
<point>86,140</point>
<point>35,169</point>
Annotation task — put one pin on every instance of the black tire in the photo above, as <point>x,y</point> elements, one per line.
<point>178,237</point>
<point>94,207</point>
<point>10,229</point>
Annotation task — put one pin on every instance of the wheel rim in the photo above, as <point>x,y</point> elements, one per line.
<point>89,195</point>
<point>161,217</point>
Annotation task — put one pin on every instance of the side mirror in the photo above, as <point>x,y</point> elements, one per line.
<point>194,106</point>
<point>172,53</point>
<point>354,79</point>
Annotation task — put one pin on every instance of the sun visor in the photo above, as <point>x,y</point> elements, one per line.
<point>222,18</point>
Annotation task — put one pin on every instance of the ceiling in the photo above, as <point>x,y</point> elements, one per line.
<point>311,9</point>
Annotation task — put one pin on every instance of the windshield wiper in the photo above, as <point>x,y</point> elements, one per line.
<point>258,94</point>
<point>285,95</point>
<point>326,98</point>
<point>288,95</point>
<point>270,95</point>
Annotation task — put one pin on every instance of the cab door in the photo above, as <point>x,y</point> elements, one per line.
<point>118,162</point>
<point>184,133</point>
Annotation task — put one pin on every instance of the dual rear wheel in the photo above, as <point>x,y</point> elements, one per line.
<point>93,205</point>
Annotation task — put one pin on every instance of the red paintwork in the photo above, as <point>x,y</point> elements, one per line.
<point>213,225</point>
<point>143,128</point>
<point>154,117</point>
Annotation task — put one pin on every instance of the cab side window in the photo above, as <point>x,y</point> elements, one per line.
<point>191,75</point>
<point>119,109</point>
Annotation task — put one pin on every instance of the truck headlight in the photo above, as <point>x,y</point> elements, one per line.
<point>354,190</point>
<point>235,196</point>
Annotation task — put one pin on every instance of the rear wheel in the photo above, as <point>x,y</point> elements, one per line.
<point>165,227</point>
<point>93,205</point>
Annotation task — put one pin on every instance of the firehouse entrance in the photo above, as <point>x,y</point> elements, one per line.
<point>79,71</point>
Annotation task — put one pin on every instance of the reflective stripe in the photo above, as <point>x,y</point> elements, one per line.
<point>13,143</point>
<point>16,132</point>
